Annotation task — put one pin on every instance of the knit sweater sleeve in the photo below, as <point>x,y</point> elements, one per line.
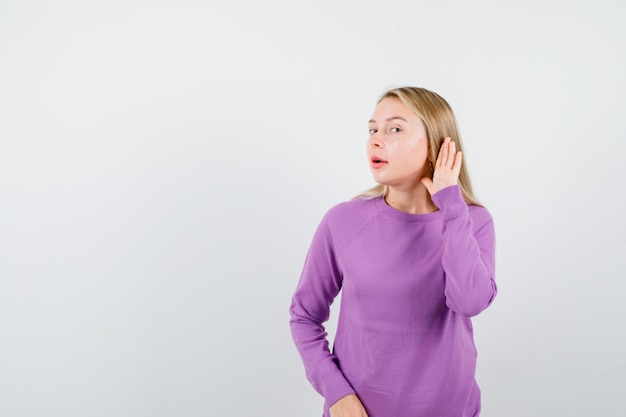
<point>319,284</point>
<point>468,253</point>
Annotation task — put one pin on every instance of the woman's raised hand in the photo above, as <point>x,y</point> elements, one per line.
<point>446,169</point>
<point>348,406</point>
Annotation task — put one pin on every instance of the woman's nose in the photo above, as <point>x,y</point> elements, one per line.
<point>376,141</point>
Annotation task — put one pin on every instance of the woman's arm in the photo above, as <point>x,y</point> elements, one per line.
<point>468,253</point>
<point>468,239</point>
<point>319,284</point>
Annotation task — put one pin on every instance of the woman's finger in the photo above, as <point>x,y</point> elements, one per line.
<point>451,154</point>
<point>458,160</point>
<point>439,156</point>
<point>443,152</point>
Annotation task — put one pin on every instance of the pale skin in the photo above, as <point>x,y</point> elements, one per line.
<point>398,138</point>
<point>399,141</point>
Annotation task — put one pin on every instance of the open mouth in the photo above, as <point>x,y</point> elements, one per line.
<point>377,162</point>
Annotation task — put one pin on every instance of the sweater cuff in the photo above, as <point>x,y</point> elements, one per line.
<point>450,201</point>
<point>331,383</point>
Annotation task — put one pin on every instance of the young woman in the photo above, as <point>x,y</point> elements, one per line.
<point>414,257</point>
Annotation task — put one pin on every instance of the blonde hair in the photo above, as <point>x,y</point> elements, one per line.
<point>440,123</point>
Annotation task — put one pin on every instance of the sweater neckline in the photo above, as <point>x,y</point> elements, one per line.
<point>387,210</point>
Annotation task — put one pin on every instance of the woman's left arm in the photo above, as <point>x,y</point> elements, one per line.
<point>468,238</point>
<point>468,253</point>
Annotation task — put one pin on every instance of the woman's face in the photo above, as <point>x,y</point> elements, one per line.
<point>397,147</point>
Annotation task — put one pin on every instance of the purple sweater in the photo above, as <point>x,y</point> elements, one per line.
<point>410,283</point>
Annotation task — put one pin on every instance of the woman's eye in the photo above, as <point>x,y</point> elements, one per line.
<point>394,130</point>
<point>372,131</point>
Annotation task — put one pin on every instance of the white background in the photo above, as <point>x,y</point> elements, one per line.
<point>163,165</point>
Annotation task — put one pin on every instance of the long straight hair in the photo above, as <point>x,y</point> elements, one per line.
<point>440,123</point>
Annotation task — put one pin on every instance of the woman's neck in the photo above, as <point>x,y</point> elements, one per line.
<point>414,200</point>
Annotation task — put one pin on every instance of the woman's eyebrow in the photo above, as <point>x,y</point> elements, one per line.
<point>389,119</point>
